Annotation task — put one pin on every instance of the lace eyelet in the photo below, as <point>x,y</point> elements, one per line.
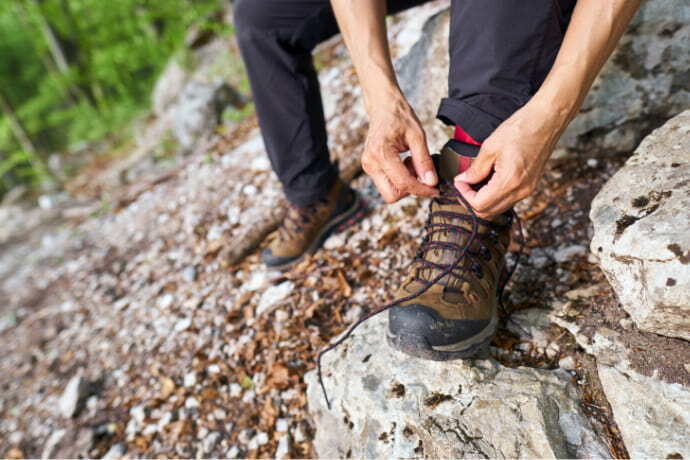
<point>477,269</point>
<point>493,236</point>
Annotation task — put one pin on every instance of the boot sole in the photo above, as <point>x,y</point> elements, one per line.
<point>476,347</point>
<point>354,214</point>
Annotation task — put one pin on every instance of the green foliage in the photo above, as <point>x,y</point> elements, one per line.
<point>78,70</point>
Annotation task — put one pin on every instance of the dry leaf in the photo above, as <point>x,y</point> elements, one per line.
<point>213,248</point>
<point>142,443</point>
<point>279,377</point>
<point>14,452</point>
<point>388,237</point>
<point>209,394</point>
<point>167,387</point>
<point>343,285</point>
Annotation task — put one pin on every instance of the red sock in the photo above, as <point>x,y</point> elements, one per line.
<point>462,136</point>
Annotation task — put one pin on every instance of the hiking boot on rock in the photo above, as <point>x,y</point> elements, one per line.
<point>456,316</point>
<point>305,229</point>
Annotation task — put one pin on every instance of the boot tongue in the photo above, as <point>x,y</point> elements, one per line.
<point>456,237</point>
<point>448,165</point>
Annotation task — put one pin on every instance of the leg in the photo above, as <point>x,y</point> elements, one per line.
<point>500,53</point>
<point>276,38</point>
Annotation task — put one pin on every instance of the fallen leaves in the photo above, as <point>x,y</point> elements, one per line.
<point>279,377</point>
<point>14,453</point>
<point>167,387</point>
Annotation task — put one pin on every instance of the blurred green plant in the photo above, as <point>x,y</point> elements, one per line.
<point>77,70</point>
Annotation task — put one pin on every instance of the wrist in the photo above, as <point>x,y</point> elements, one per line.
<point>559,98</point>
<point>381,94</point>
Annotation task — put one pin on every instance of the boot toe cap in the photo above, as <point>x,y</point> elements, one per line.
<point>425,322</point>
<point>273,261</point>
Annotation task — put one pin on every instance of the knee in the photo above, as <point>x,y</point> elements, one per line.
<point>249,16</point>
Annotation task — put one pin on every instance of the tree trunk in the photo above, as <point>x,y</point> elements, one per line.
<point>56,64</point>
<point>50,38</point>
<point>22,137</point>
<point>16,127</point>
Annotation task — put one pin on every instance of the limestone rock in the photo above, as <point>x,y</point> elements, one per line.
<point>115,452</point>
<point>198,109</point>
<point>641,219</point>
<point>73,396</point>
<point>389,405</point>
<point>645,80</point>
<point>168,87</point>
<point>651,405</point>
<point>658,428</point>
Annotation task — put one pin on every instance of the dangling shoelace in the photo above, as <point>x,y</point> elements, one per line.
<point>446,269</point>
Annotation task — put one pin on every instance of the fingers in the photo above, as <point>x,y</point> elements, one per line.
<point>499,194</point>
<point>480,168</point>
<point>410,167</point>
<point>402,180</point>
<point>391,132</point>
<point>389,193</point>
<point>421,160</point>
<point>493,198</point>
<point>395,179</point>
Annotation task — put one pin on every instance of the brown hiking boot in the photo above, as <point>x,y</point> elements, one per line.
<point>456,316</point>
<point>305,229</point>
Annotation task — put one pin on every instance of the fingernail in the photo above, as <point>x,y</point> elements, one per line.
<point>461,178</point>
<point>429,178</point>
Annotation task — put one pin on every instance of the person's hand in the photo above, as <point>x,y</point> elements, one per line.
<point>516,153</point>
<point>393,129</point>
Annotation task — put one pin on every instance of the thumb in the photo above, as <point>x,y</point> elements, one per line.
<point>479,169</point>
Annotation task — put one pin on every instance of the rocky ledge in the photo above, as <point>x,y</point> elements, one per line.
<point>386,404</point>
<point>642,231</point>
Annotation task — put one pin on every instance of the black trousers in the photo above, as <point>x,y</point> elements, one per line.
<point>500,53</point>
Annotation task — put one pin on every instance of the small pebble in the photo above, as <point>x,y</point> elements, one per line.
<point>190,379</point>
<point>626,323</point>
<point>235,390</point>
<point>189,274</point>
<point>567,363</point>
<point>282,425</point>
<point>233,452</point>
<point>283,450</point>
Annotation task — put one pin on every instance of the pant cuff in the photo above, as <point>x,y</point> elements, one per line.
<point>306,196</point>
<point>477,123</point>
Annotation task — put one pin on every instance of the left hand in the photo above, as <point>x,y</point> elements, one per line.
<point>516,152</point>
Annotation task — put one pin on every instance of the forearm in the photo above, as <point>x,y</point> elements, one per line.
<point>595,28</point>
<point>363,27</point>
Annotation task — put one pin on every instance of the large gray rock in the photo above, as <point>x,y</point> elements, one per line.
<point>168,87</point>
<point>389,405</point>
<point>656,428</point>
<point>192,92</point>
<point>642,376</point>
<point>641,223</point>
<point>198,109</point>
<point>646,79</point>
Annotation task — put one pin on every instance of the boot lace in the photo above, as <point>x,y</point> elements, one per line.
<point>297,219</point>
<point>449,195</point>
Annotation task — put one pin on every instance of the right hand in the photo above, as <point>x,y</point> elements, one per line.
<point>393,129</point>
